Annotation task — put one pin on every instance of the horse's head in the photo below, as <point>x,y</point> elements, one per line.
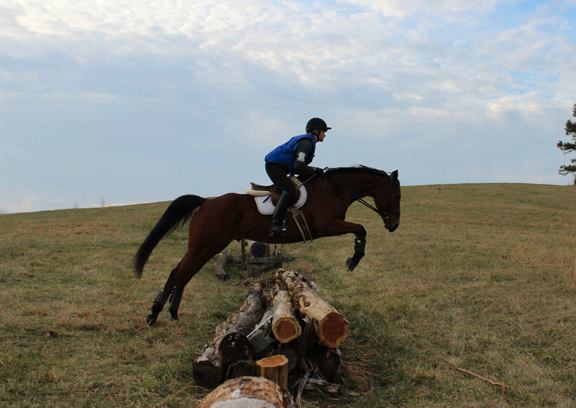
<point>361,181</point>
<point>388,202</point>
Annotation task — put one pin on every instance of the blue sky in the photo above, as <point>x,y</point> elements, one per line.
<point>117,101</point>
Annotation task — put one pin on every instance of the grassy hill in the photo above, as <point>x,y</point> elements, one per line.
<point>478,277</point>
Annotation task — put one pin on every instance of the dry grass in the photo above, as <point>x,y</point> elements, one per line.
<point>478,277</point>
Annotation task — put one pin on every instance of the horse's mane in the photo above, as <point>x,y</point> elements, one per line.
<point>355,169</point>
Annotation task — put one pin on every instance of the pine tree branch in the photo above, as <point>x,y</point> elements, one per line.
<point>568,147</point>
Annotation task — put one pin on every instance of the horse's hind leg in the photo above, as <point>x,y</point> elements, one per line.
<point>162,297</point>
<point>175,300</point>
<point>157,307</point>
<point>192,262</point>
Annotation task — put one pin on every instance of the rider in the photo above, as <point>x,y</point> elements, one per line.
<point>293,157</point>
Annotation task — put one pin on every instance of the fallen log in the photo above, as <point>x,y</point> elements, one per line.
<point>329,363</point>
<point>229,343</point>
<point>289,350</point>
<point>275,368</point>
<point>244,392</point>
<point>257,249</point>
<point>261,338</point>
<point>258,257</point>
<point>285,327</point>
<point>222,260</point>
<point>241,368</point>
<point>207,369</point>
<point>330,326</point>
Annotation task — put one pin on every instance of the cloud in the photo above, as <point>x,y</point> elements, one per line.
<point>419,64</point>
<point>525,104</point>
<point>98,85</point>
<point>363,48</point>
<point>405,8</point>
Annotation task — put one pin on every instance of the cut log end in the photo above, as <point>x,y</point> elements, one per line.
<point>234,346</point>
<point>275,368</point>
<point>286,330</point>
<point>207,374</point>
<point>272,361</point>
<point>241,368</point>
<point>333,330</point>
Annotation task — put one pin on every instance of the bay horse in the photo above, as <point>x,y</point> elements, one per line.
<point>217,221</point>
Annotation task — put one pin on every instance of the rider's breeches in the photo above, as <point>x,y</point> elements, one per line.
<point>278,173</point>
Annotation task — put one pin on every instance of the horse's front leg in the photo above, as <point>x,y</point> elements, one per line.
<point>359,247</point>
<point>341,227</point>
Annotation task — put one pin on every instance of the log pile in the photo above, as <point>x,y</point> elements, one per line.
<point>283,331</point>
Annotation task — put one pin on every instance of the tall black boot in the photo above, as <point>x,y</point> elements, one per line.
<point>277,225</point>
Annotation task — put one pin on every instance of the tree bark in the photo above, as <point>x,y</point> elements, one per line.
<point>247,392</point>
<point>220,266</point>
<point>285,327</point>
<point>229,343</point>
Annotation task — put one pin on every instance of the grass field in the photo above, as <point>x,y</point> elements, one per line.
<point>478,277</point>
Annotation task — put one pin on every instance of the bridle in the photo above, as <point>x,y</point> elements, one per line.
<point>385,215</point>
<point>367,204</point>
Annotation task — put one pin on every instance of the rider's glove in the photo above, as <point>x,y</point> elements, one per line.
<point>318,171</point>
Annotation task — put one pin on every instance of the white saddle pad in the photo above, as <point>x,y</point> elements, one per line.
<point>266,207</point>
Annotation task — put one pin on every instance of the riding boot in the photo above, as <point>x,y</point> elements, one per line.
<point>277,225</point>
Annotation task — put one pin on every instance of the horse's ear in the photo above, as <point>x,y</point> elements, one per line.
<point>394,183</point>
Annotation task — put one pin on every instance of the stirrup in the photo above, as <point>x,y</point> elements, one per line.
<point>276,229</point>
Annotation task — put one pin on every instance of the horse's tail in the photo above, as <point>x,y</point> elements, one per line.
<point>177,213</point>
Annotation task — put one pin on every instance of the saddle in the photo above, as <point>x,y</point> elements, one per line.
<point>259,190</point>
<point>266,198</point>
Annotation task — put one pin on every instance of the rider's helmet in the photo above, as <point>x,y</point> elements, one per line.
<point>316,123</point>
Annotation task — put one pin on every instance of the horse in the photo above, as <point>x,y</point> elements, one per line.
<point>217,221</point>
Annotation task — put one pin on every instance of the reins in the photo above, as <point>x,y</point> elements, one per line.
<point>367,204</point>
<point>361,200</point>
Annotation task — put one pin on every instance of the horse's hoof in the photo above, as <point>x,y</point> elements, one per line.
<point>174,315</point>
<point>150,320</point>
<point>351,264</point>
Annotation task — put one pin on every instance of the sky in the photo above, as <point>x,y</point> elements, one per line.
<point>111,102</point>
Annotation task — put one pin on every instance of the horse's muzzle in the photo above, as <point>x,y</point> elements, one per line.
<point>391,222</point>
<point>392,228</point>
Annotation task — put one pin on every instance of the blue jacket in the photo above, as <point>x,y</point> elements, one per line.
<point>286,153</point>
